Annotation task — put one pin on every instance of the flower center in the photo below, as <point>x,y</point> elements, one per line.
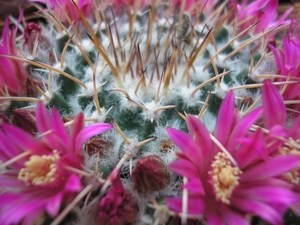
<point>40,170</point>
<point>291,147</point>
<point>225,177</point>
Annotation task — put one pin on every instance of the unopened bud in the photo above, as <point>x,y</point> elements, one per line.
<point>31,33</point>
<point>150,174</point>
<point>25,119</point>
<point>35,41</point>
<point>117,207</point>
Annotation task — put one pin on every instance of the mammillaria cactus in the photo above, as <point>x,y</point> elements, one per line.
<point>203,97</point>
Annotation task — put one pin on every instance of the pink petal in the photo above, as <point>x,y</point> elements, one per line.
<point>272,102</point>
<point>9,181</point>
<point>200,134</point>
<point>252,150</point>
<point>271,167</point>
<point>77,126</point>
<point>242,128</point>
<point>261,209</point>
<point>18,137</point>
<point>278,131</point>
<point>266,194</point>
<point>53,204</point>
<point>225,119</point>
<point>294,130</point>
<point>184,168</point>
<point>19,209</point>
<point>73,184</point>
<point>213,217</point>
<point>195,186</point>
<point>232,217</point>
<point>30,218</point>
<point>187,146</point>
<point>42,118</point>
<point>276,182</point>
<point>89,132</point>
<point>59,129</point>
<point>195,205</point>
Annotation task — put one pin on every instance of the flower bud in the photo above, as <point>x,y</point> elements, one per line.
<point>25,119</point>
<point>150,174</point>
<point>31,34</point>
<point>33,37</point>
<point>117,207</point>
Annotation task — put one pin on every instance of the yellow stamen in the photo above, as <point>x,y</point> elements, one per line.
<point>291,147</point>
<point>225,177</point>
<point>40,170</point>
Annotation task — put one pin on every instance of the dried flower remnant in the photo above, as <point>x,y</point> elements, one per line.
<point>98,146</point>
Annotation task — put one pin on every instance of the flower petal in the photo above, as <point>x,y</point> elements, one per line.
<point>232,217</point>
<point>261,209</point>
<point>184,168</point>
<point>195,205</point>
<point>252,149</point>
<point>270,168</point>
<point>225,119</point>
<point>187,146</point>
<point>73,184</point>
<point>53,204</point>
<point>272,102</point>
<point>195,186</point>
<point>89,132</point>
<point>242,128</point>
<point>59,129</point>
<point>42,118</point>
<point>266,194</point>
<point>200,134</point>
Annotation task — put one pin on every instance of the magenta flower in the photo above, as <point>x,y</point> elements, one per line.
<point>282,140</point>
<point>40,181</point>
<point>226,185</point>
<point>13,75</point>
<point>117,207</point>
<point>288,64</point>
<point>262,11</point>
<point>66,7</point>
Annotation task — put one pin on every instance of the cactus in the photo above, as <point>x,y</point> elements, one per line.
<point>141,66</point>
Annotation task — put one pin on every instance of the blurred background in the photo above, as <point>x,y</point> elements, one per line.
<point>12,7</point>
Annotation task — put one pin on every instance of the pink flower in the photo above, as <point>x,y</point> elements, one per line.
<point>117,207</point>
<point>282,139</point>
<point>262,11</point>
<point>40,181</point>
<point>288,64</point>
<point>13,75</point>
<point>226,185</point>
<point>66,7</point>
